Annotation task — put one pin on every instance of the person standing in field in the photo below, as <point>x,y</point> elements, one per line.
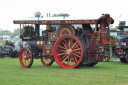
<point>16,48</point>
<point>6,43</point>
<point>1,50</point>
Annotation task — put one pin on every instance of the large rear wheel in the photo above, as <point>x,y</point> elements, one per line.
<point>70,51</point>
<point>26,58</point>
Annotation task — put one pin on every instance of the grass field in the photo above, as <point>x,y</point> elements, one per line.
<point>104,73</point>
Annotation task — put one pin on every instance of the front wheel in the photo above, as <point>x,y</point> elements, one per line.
<point>26,58</point>
<point>70,51</point>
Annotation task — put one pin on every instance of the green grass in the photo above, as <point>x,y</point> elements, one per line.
<point>104,73</point>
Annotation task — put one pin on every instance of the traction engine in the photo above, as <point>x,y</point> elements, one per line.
<point>68,46</point>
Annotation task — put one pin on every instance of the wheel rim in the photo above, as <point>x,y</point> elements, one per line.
<point>13,54</point>
<point>47,61</point>
<point>68,51</point>
<point>25,57</point>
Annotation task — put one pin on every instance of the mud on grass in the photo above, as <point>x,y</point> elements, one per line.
<point>104,73</point>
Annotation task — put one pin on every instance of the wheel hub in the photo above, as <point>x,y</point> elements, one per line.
<point>24,56</point>
<point>69,51</point>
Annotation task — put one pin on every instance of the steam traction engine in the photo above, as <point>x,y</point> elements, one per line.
<point>68,46</point>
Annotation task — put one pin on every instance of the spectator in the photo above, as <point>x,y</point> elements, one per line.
<point>0,45</point>
<point>16,47</point>
<point>0,49</point>
<point>24,44</point>
<point>7,43</point>
<point>21,44</point>
<point>11,43</point>
<point>86,29</point>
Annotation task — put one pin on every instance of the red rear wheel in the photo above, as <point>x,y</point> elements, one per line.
<point>25,57</point>
<point>69,51</point>
<point>47,61</point>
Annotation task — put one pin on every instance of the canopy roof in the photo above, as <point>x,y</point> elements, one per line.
<point>60,20</point>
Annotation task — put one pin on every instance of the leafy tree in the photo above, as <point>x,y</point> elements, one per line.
<point>5,32</point>
<point>15,33</point>
<point>60,15</point>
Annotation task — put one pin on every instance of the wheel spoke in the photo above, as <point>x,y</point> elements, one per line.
<point>62,50</point>
<point>61,47</point>
<point>61,53</point>
<point>75,58</point>
<point>76,55</point>
<point>64,45</point>
<point>28,61</point>
<point>25,61</point>
<point>78,52</point>
<point>29,54</point>
<point>25,52</point>
<point>47,60</point>
<point>77,49</point>
<point>64,56</point>
<point>65,41</point>
<point>69,42</point>
<point>70,62</point>
<point>65,59</point>
<point>74,44</point>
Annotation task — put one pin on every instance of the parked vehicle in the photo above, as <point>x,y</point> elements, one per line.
<point>8,50</point>
<point>122,43</point>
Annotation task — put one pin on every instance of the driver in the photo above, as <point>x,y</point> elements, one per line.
<point>86,29</point>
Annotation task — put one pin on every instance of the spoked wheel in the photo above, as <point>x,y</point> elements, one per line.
<point>47,61</point>
<point>70,51</point>
<point>13,54</point>
<point>26,58</point>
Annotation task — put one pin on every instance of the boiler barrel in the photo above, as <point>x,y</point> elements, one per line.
<point>36,44</point>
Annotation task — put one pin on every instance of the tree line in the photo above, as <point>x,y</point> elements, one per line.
<point>9,33</point>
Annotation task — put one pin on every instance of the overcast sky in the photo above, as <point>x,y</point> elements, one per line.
<point>17,9</point>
